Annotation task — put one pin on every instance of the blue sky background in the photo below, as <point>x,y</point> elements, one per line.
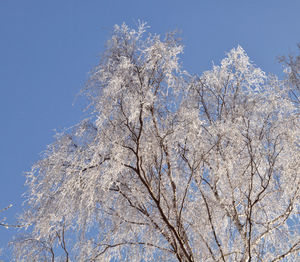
<point>47,49</point>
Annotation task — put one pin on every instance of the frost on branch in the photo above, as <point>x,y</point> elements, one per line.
<point>292,70</point>
<point>3,222</point>
<point>170,167</point>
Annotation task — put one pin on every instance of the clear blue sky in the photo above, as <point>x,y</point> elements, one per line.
<point>48,47</point>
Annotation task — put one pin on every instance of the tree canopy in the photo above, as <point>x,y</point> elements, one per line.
<point>170,166</point>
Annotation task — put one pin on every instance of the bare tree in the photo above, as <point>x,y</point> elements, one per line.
<point>169,167</point>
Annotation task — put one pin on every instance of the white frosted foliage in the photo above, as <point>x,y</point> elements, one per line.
<point>170,167</point>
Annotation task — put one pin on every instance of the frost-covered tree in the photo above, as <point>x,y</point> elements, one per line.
<point>170,166</point>
<point>292,69</point>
